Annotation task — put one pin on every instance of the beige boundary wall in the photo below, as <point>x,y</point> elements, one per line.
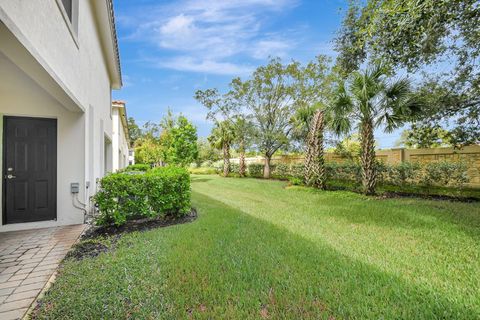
<point>470,155</point>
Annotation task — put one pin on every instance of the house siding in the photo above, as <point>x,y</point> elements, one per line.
<point>79,67</point>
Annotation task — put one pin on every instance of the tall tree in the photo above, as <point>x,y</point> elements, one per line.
<point>183,144</point>
<point>349,42</point>
<point>312,93</point>
<point>206,152</point>
<point>244,132</point>
<point>222,137</point>
<point>171,141</point>
<point>427,35</point>
<point>148,151</point>
<point>373,101</point>
<point>268,95</point>
<point>220,106</point>
<point>227,113</point>
<point>134,131</point>
<point>425,136</point>
<point>315,174</point>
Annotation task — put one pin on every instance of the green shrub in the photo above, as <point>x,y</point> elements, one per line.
<point>158,192</point>
<point>234,168</point>
<point>255,169</point>
<point>218,166</point>
<point>444,173</point>
<point>202,170</point>
<point>281,171</point>
<point>347,171</point>
<point>137,167</point>
<point>295,181</point>
<point>297,170</point>
<point>206,164</point>
<point>402,174</point>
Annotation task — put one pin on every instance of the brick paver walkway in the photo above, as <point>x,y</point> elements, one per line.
<point>27,260</point>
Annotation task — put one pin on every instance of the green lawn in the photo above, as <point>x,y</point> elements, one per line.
<point>260,250</point>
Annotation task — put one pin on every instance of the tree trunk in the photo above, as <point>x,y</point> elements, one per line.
<point>266,168</point>
<point>369,172</point>
<point>242,166</point>
<point>226,159</point>
<point>314,159</point>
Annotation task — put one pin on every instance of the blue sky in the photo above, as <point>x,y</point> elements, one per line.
<point>169,49</point>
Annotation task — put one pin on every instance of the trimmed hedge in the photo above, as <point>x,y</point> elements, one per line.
<point>159,192</point>
<point>445,173</point>
<point>202,170</point>
<point>137,167</point>
<point>442,174</point>
<point>450,174</point>
<point>255,170</point>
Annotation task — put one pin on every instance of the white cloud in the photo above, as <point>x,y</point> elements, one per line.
<point>186,63</point>
<point>265,48</point>
<point>127,81</point>
<point>207,35</point>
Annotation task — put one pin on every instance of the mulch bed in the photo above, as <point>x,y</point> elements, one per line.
<point>97,240</point>
<point>400,194</point>
<point>388,195</point>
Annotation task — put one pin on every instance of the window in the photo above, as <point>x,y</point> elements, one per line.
<point>70,12</point>
<point>68,6</point>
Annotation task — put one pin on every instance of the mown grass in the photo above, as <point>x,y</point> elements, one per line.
<point>260,250</point>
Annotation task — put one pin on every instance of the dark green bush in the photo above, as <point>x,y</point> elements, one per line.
<point>255,170</point>
<point>296,181</point>
<point>447,174</point>
<point>234,168</point>
<point>156,193</point>
<point>444,173</point>
<point>347,171</point>
<point>281,171</point>
<point>297,170</point>
<point>402,174</point>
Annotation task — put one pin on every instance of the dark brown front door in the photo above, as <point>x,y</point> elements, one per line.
<point>29,169</point>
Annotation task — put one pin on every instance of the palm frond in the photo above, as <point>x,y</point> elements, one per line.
<point>340,125</point>
<point>342,103</point>
<point>376,72</point>
<point>391,122</point>
<point>398,89</point>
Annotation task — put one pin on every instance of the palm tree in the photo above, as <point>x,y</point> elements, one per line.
<point>371,100</point>
<point>243,129</point>
<point>309,126</point>
<point>314,157</point>
<point>222,137</point>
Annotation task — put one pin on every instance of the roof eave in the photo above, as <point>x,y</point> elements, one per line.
<point>108,36</point>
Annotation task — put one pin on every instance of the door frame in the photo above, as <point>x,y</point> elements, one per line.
<point>4,166</point>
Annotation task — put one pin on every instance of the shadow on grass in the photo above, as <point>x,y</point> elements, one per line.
<point>230,265</point>
<point>408,213</point>
<point>252,260</point>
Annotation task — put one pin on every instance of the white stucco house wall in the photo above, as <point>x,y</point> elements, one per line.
<point>120,137</point>
<point>58,65</point>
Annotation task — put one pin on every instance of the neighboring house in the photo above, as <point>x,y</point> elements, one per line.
<point>120,138</point>
<point>131,156</point>
<point>58,65</point>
